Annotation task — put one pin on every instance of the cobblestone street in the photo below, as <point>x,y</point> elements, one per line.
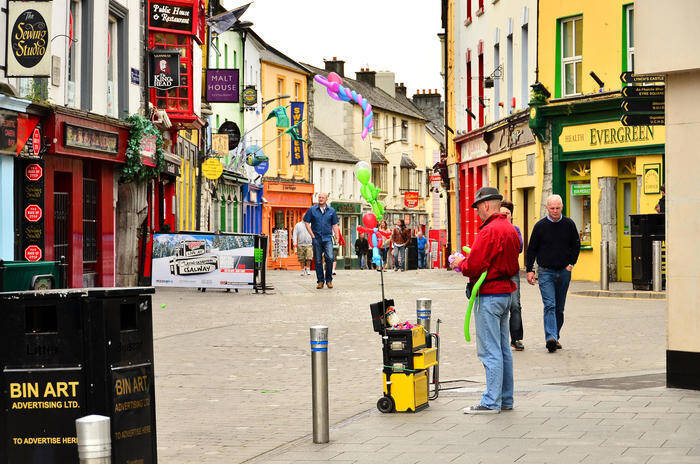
<point>233,370</point>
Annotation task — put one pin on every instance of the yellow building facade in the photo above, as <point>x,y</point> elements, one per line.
<point>605,171</point>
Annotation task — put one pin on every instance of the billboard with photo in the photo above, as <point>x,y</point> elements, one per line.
<point>203,260</point>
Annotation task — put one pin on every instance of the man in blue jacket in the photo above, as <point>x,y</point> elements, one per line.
<point>322,223</point>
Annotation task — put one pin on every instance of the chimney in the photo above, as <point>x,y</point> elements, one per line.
<point>335,65</point>
<point>428,102</point>
<point>385,80</point>
<point>366,76</point>
<point>400,89</point>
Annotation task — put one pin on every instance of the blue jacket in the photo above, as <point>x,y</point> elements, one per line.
<point>321,223</point>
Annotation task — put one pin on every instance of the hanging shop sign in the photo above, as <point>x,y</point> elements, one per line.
<point>174,18</point>
<point>231,129</point>
<point>262,167</point>
<point>435,178</point>
<point>652,178</point>
<point>28,38</point>
<point>222,85</point>
<point>219,145</point>
<point>410,199</point>
<point>297,111</point>
<point>36,142</point>
<point>90,139</point>
<point>212,168</point>
<point>8,133</point>
<point>164,73</point>
<point>148,149</point>
<point>249,95</point>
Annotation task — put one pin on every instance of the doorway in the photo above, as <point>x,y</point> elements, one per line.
<point>626,206</point>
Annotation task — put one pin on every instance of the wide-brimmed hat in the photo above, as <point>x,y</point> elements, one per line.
<point>486,193</point>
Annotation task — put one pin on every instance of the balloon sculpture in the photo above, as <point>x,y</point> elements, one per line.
<point>334,87</point>
<point>368,190</point>
<point>474,294</point>
<point>376,236</point>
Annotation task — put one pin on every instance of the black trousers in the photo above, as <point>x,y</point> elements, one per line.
<point>516,319</point>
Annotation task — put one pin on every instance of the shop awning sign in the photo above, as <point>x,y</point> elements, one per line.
<point>164,73</point>
<point>28,38</point>
<point>410,199</point>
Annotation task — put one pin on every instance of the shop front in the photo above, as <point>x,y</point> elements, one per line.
<point>287,202</point>
<point>605,172</point>
<point>80,171</point>
<point>473,174</point>
<point>226,208</point>
<point>349,217</point>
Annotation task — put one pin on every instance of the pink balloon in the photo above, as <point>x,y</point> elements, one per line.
<point>333,77</point>
<point>333,95</point>
<point>364,133</point>
<point>333,86</point>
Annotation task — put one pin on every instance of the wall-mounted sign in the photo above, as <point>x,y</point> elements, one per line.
<point>33,213</point>
<point>32,253</point>
<point>135,76</point>
<point>90,139</point>
<point>410,199</point>
<point>607,135</point>
<point>164,70</point>
<point>33,172</point>
<point>222,85</point>
<point>212,168</point>
<point>249,95</point>
<point>578,190</point>
<point>148,149</point>
<point>28,38</point>
<point>177,18</point>
<point>652,178</point>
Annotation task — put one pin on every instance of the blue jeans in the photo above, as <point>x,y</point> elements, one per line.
<point>363,260</point>
<point>384,252</point>
<point>323,250</point>
<point>493,349</point>
<point>421,259</point>
<point>553,286</point>
<point>399,255</point>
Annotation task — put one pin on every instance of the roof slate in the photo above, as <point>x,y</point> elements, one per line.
<point>326,149</point>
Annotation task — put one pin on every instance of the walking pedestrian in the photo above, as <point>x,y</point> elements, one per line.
<point>423,249</point>
<point>495,251</point>
<point>399,239</point>
<point>661,205</point>
<point>516,319</point>
<point>361,248</point>
<point>301,245</point>
<point>555,244</point>
<point>386,244</point>
<point>321,222</point>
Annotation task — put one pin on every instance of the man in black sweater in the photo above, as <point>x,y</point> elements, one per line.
<point>555,243</point>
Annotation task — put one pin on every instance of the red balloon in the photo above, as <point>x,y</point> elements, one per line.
<point>369,220</point>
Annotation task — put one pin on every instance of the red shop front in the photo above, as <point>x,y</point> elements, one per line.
<point>473,174</point>
<point>82,169</point>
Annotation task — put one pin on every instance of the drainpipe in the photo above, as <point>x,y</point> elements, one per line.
<point>447,144</point>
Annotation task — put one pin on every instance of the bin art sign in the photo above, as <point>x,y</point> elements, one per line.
<point>28,38</point>
<point>203,260</point>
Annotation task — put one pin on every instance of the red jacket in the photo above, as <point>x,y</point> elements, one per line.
<point>496,248</point>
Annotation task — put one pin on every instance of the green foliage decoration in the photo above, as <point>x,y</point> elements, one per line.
<point>134,170</point>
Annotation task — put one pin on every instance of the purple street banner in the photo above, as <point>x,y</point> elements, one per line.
<point>297,145</point>
<point>222,85</point>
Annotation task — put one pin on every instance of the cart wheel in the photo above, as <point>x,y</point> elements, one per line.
<point>385,404</point>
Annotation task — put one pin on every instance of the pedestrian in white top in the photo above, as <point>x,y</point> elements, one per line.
<point>301,243</point>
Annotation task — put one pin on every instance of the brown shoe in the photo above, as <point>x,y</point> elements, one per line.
<point>558,345</point>
<point>319,285</point>
<point>329,284</point>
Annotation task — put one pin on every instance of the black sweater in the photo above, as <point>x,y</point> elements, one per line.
<point>554,244</point>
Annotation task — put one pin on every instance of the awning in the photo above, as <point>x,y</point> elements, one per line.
<point>407,162</point>
<point>377,157</point>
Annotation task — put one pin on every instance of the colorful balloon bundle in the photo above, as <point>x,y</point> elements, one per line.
<point>376,236</point>
<point>368,190</point>
<point>334,87</point>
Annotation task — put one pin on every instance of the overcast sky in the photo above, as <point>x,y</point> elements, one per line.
<point>384,35</point>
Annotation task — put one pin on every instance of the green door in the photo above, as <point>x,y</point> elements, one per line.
<point>626,206</point>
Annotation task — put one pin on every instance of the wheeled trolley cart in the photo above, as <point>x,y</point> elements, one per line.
<point>408,356</point>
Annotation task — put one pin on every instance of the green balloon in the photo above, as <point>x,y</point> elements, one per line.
<point>363,175</point>
<point>366,193</point>
<point>377,210</point>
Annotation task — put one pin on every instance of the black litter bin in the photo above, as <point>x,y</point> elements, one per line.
<point>69,353</point>
<point>412,254</point>
<point>645,229</point>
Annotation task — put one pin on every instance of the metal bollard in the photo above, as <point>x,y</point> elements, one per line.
<point>94,442</point>
<point>319,382</point>
<point>656,266</point>
<point>423,312</point>
<point>604,272</point>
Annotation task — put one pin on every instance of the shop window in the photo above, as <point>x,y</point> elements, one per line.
<point>578,178</point>
<point>571,46</point>
<point>175,100</point>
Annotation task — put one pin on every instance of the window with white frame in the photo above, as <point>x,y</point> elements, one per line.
<point>572,46</point>
<point>420,183</point>
<point>393,128</point>
<point>629,11</point>
<point>321,179</point>
<point>404,130</point>
<point>332,187</point>
<point>73,72</point>
<point>112,87</point>
<point>377,128</point>
<point>396,182</point>
<point>343,183</point>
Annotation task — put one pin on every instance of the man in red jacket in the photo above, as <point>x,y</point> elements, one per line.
<point>495,250</point>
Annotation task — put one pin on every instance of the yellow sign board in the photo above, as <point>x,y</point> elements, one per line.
<point>219,145</point>
<point>212,169</point>
<point>606,135</point>
<point>652,178</point>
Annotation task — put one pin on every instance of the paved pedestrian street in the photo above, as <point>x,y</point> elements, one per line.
<point>233,380</point>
